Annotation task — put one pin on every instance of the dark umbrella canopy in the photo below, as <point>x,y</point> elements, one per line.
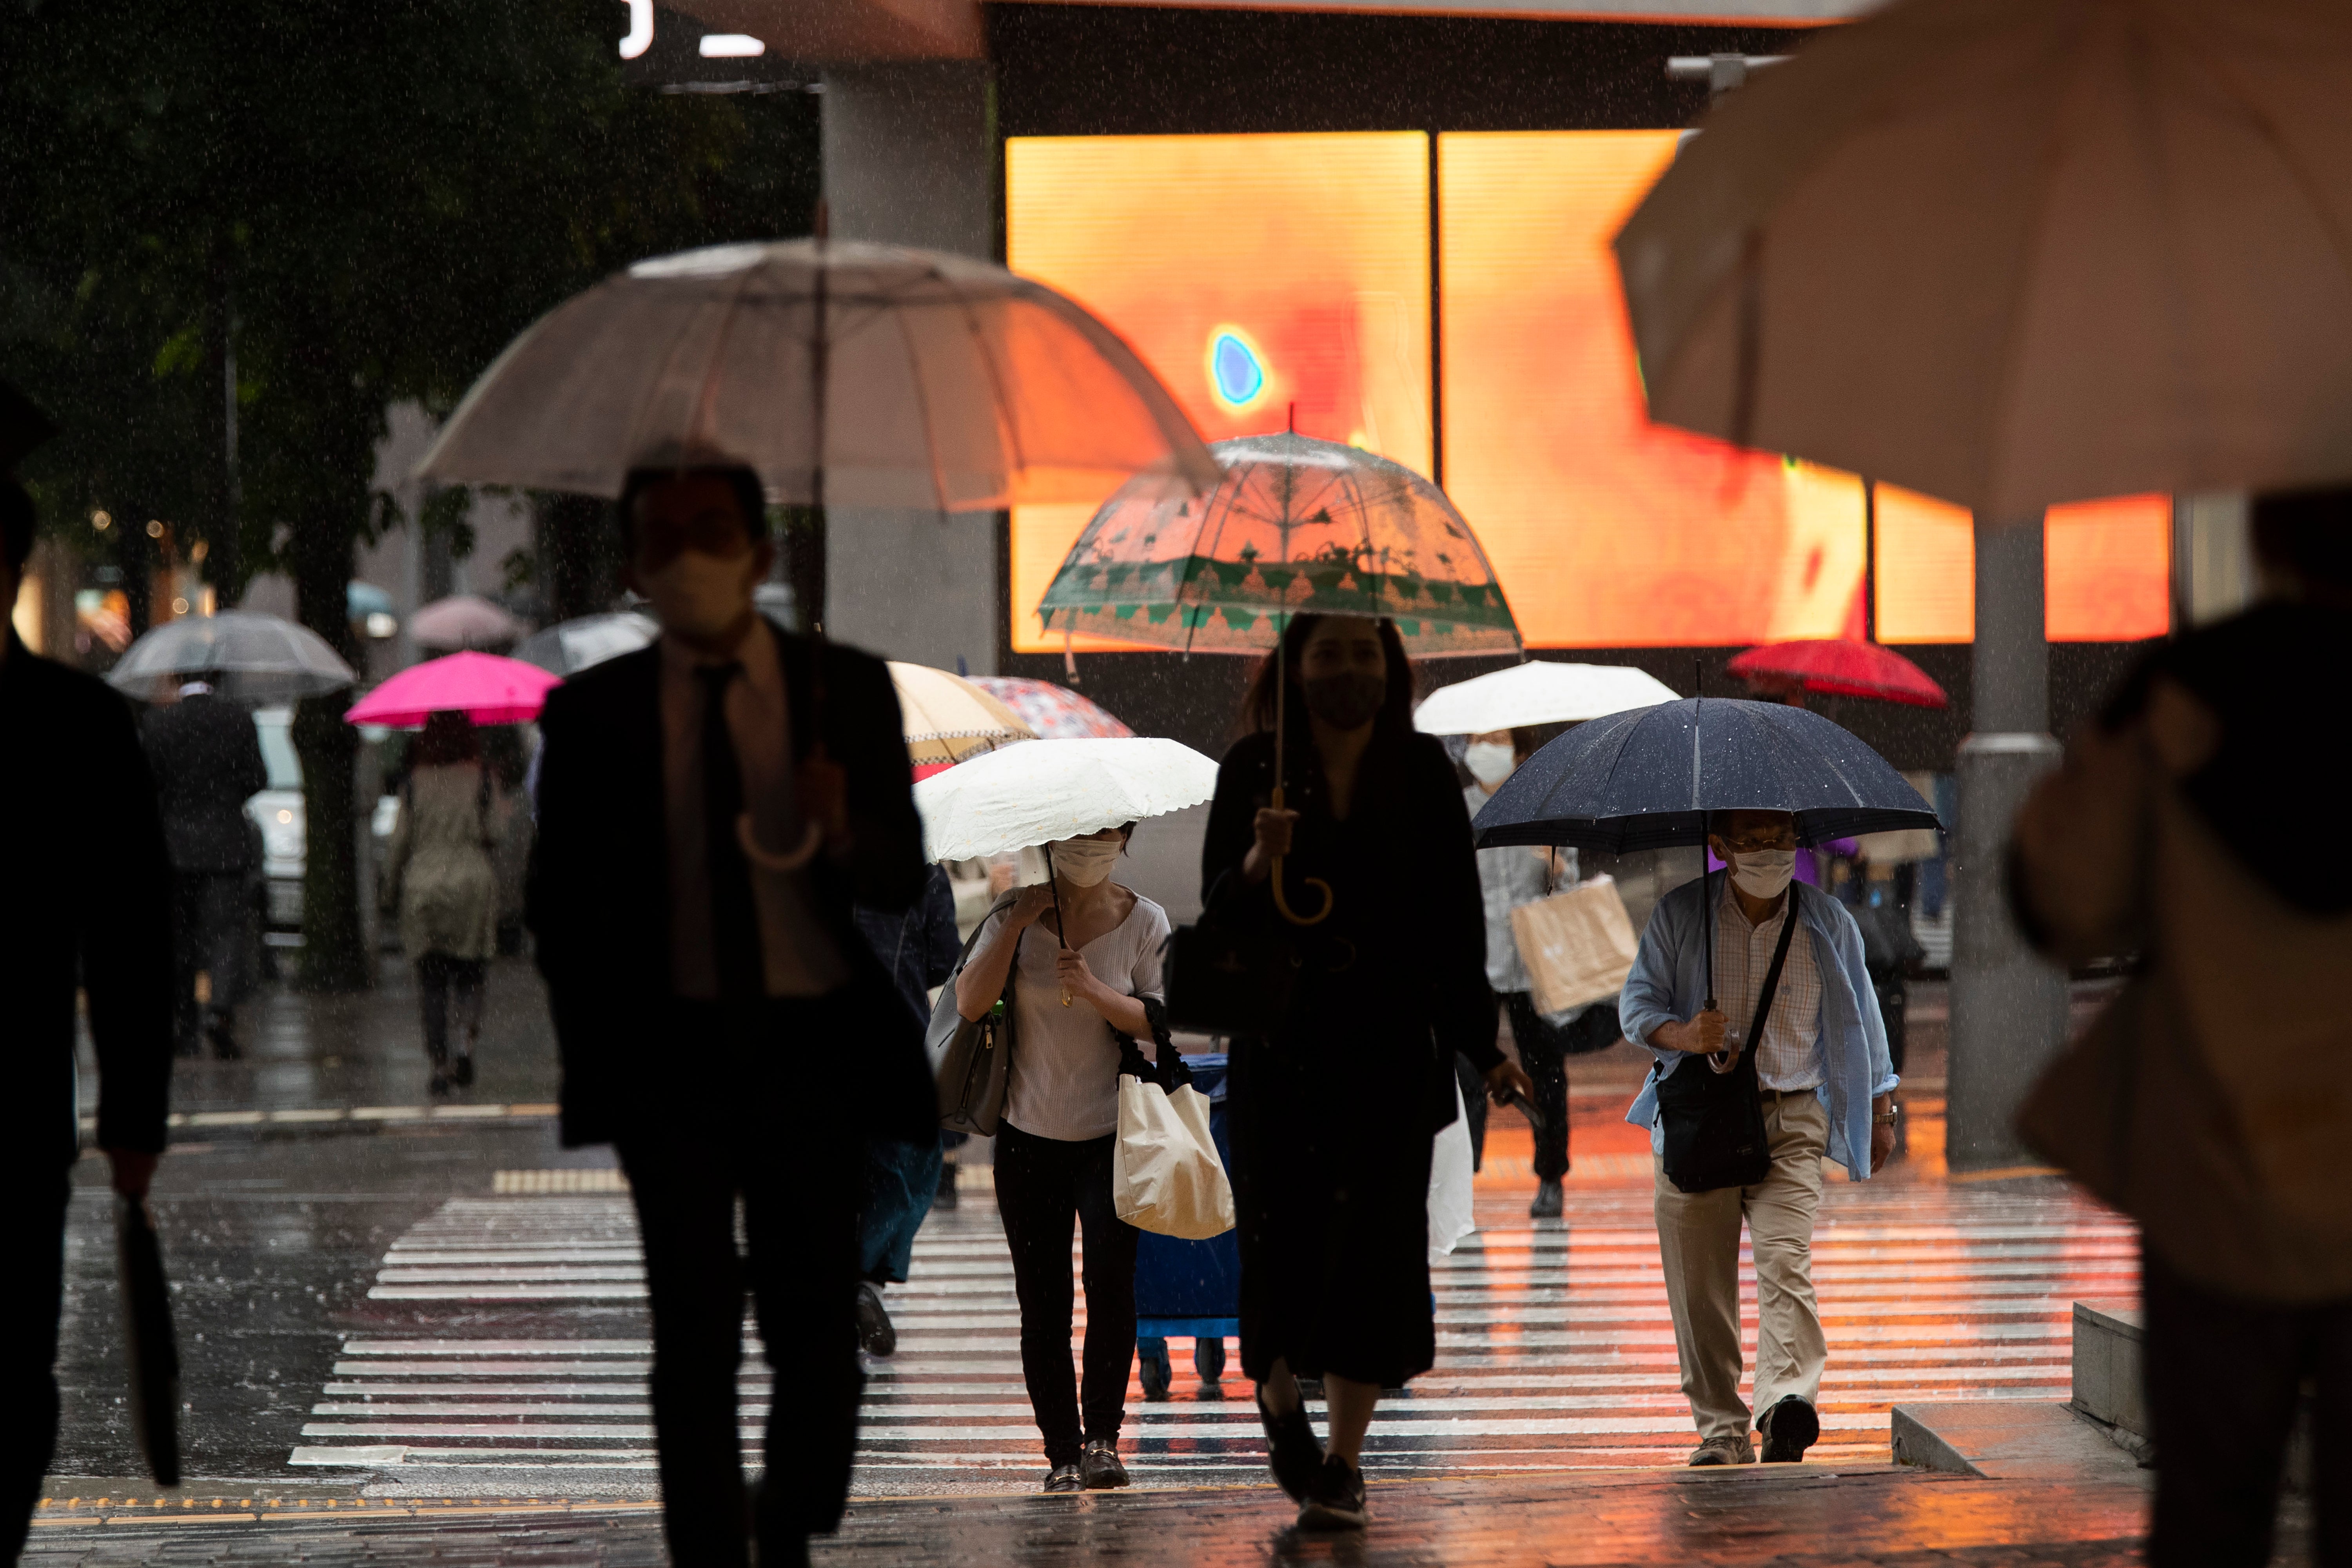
<point>1646,779</point>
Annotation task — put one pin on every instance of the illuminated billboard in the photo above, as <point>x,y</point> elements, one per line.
<point>1264,274</point>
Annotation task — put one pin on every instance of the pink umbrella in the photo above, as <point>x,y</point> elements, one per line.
<point>1056,713</point>
<point>482,686</point>
<point>462,620</point>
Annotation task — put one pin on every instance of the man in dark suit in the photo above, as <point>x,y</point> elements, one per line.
<point>89,902</point>
<point>206,758</point>
<point>710,810</point>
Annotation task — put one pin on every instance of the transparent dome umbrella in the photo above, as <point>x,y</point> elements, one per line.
<point>844,373</point>
<point>256,658</point>
<point>2017,252</point>
<point>1294,526</point>
<point>569,647</point>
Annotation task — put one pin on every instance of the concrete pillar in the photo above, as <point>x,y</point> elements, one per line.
<point>2008,1008</point>
<point>909,159</point>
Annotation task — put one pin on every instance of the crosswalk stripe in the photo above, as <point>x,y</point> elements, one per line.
<point>1555,1349</point>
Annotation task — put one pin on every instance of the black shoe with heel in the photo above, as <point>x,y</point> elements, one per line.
<point>1292,1447</point>
<point>1335,1500</point>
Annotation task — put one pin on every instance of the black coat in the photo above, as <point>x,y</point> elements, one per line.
<point>1405,884</point>
<point>598,899</point>
<point>917,944</point>
<point>206,758</point>
<point>88,902</point>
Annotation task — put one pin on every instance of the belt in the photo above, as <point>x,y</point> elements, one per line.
<point>1786,1094</point>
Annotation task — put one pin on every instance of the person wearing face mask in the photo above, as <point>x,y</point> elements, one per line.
<point>1334,1111</point>
<point>712,811</point>
<point>1827,1089</point>
<point>1507,877</point>
<point>1087,952</point>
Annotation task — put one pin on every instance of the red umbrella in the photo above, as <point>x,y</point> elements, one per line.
<point>1839,667</point>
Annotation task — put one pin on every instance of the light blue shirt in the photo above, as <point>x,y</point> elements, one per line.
<point>1668,982</point>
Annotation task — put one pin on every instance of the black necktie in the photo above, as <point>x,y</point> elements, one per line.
<point>734,917</point>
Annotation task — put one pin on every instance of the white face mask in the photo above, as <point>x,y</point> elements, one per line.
<point>1490,762</point>
<point>1083,862</point>
<point>1763,873</point>
<point>700,595</point>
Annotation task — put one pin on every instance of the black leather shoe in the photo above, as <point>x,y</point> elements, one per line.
<point>461,1070</point>
<point>1335,1500</point>
<point>1064,1478</point>
<point>876,1333</point>
<point>1549,1201</point>
<point>1099,1468</point>
<point>1789,1428</point>
<point>1292,1449</point>
<point>945,1197</point>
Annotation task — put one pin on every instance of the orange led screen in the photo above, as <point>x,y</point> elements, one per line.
<point>1250,272</point>
<point>1254,272</point>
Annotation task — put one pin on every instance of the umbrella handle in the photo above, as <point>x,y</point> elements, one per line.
<point>766,860</point>
<point>1281,901</point>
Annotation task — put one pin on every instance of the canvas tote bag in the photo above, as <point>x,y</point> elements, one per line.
<point>1578,945</point>
<point>1165,1176</point>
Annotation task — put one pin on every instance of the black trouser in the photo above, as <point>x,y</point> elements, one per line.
<point>759,1114</point>
<point>208,935</point>
<point>2224,1377</point>
<point>1546,1063</point>
<point>28,1342</point>
<point>1042,1185</point>
<point>449,989</point>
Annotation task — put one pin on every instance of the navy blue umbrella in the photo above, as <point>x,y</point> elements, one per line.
<point>1647,778</point>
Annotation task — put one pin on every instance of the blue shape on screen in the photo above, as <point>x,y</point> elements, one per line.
<point>1239,376</point>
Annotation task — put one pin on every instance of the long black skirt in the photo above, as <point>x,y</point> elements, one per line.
<point>1331,1138</point>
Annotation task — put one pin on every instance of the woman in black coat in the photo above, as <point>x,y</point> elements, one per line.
<point>1334,1110</point>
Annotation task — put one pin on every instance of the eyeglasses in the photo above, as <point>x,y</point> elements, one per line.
<point>1750,844</point>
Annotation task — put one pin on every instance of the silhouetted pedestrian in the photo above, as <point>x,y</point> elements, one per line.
<point>206,755</point>
<point>439,874</point>
<point>88,907</point>
<point>709,810</point>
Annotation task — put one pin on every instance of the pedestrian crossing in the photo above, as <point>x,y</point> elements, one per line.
<point>513,1345</point>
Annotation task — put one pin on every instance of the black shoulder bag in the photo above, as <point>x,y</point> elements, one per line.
<point>1714,1121</point>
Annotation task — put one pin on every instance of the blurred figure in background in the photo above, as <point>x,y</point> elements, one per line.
<point>503,754</point>
<point>206,755</point>
<point>90,886</point>
<point>1507,877</point>
<point>2209,1101</point>
<point>919,947</point>
<point>439,875</point>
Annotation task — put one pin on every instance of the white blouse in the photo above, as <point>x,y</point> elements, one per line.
<point>1065,1063</point>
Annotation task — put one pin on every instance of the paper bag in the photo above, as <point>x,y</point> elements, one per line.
<point>1165,1176</point>
<point>1578,945</point>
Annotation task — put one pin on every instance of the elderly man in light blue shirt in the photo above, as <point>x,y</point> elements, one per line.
<point>1827,1088</point>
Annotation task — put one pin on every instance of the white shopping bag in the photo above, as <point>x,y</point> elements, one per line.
<point>1165,1176</point>
<point>1450,1217</point>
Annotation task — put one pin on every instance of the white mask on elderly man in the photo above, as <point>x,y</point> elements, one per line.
<point>1763,873</point>
<point>1490,762</point>
<point>1083,862</point>
<point>701,595</point>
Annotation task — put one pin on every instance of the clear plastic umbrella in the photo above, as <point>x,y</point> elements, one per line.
<point>569,647</point>
<point>256,657</point>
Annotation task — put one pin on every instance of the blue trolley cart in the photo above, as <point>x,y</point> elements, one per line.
<point>1190,1287</point>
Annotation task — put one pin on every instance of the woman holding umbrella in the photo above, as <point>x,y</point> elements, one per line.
<point>439,875</point>
<point>1082,956</point>
<point>1334,1108</point>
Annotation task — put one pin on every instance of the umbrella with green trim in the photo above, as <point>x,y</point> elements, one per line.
<point>1295,527</point>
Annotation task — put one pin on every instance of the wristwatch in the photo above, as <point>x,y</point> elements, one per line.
<point>1894,1109</point>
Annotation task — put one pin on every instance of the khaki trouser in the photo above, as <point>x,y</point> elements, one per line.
<point>1699,1240</point>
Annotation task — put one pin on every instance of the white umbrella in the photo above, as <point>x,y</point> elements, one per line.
<point>2019,252</point>
<point>259,657</point>
<point>1537,692</point>
<point>1040,790</point>
<point>569,647</point>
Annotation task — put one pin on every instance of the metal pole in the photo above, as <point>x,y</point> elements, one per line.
<point>2008,1008</point>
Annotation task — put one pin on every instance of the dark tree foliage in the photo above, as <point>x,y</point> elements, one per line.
<point>353,205</point>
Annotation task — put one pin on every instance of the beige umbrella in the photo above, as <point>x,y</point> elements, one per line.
<point>846,374</point>
<point>947,718</point>
<point>2019,252</point>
